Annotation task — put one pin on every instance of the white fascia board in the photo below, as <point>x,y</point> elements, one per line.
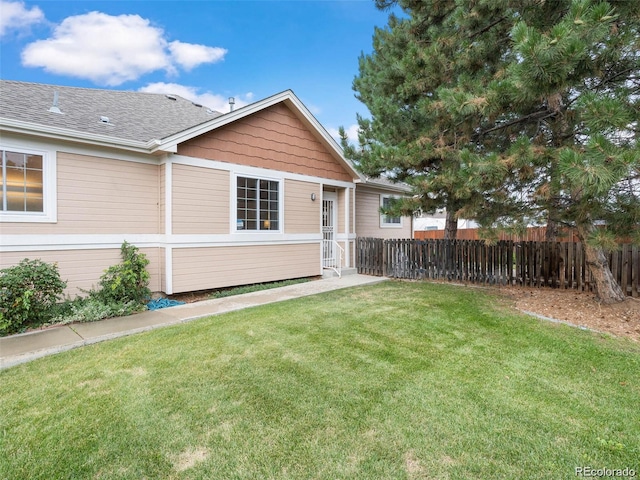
<point>383,188</point>
<point>19,126</point>
<point>160,147</point>
<point>222,120</point>
<point>329,140</point>
<point>254,171</point>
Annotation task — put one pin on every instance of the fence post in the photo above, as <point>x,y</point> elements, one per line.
<point>533,264</point>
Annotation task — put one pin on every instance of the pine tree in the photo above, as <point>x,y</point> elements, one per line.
<point>422,118</point>
<point>512,113</point>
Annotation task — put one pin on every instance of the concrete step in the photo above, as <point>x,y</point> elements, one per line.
<point>328,273</point>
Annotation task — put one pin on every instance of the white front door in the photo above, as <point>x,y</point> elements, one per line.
<point>329,216</point>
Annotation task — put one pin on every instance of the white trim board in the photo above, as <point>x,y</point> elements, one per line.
<point>255,171</point>
<point>29,243</point>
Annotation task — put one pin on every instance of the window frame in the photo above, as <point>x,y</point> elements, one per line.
<point>49,193</point>
<point>384,223</point>
<point>234,204</point>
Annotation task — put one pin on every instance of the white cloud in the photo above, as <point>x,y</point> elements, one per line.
<point>217,102</point>
<point>351,131</point>
<point>105,49</point>
<point>16,16</point>
<point>314,109</point>
<point>110,50</point>
<point>190,55</point>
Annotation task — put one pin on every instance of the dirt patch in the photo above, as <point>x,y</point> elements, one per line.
<point>190,458</point>
<point>579,308</point>
<point>412,464</point>
<point>191,297</point>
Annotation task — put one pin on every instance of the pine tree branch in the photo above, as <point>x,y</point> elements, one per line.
<point>537,116</point>
<point>431,20</point>
<point>488,27</point>
<point>608,80</point>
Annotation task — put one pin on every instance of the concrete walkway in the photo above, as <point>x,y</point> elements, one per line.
<point>24,347</point>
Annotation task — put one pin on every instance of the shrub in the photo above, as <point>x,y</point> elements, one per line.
<point>126,282</point>
<point>91,309</point>
<point>28,292</point>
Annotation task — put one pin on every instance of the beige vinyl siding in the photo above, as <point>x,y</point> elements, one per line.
<point>301,214</point>
<point>81,269</point>
<point>273,138</point>
<point>217,267</point>
<point>98,195</point>
<point>200,199</point>
<point>368,217</point>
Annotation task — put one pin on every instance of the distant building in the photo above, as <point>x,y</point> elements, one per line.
<point>437,221</point>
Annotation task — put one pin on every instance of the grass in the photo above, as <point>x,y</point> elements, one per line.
<point>395,380</point>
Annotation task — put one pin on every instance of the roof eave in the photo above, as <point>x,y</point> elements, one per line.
<point>65,134</point>
<point>400,188</point>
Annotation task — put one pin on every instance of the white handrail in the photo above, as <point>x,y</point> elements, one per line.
<point>332,258</point>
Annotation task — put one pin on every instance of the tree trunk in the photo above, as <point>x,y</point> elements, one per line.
<point>551,232</point>
<point>451,226</point>
<point>606,288</point>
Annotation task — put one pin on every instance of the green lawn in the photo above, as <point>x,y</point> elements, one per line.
<point>395,380</point>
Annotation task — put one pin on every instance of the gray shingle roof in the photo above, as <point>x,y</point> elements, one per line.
<point>384,182</point>
<point>132,115</point>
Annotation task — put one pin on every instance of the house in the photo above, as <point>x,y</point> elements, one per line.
<point>437,221</point>
<point>373,194</point>
<point>261,193</point>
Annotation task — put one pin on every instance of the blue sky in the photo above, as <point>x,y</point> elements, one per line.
<point>207,50</point>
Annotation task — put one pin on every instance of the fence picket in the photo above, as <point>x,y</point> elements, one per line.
<point>530,263</point>
<point>635,271</point>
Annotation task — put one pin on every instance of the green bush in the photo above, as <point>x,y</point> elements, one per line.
<point>126,282</point>
<point>28,292</point>
<point>91,309</point>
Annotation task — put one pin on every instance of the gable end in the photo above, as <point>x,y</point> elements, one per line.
<point>273,138</point>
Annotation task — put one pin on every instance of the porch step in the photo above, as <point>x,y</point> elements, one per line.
<point>328,273</point>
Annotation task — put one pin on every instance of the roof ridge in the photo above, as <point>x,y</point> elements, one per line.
<point>96,89</point>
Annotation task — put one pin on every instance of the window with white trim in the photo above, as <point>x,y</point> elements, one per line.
<point>257,204</point>
<point>27,185</point>
<point>22,182</point>
<point>387,220</point>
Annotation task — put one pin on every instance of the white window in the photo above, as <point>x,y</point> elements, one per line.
<point>387,221</point>
<point>27,185</point>
<point>257,204</point>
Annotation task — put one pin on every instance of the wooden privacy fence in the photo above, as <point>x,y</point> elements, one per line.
<point>534,264</point>
<point>533,234</point>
